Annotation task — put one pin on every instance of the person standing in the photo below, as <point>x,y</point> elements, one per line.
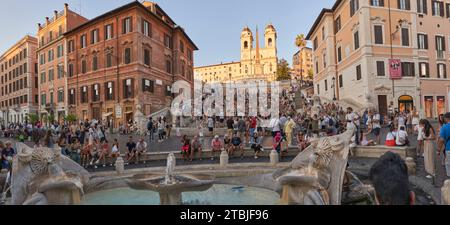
<point>150,126</point>
<point>289,129</point>
<point>415,118</point>
<point>444,142</point>
<point>428,147</point>
<point>376,126</point>
<point>211,126</point>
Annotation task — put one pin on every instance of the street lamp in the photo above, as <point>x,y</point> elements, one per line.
<point>334,88</point>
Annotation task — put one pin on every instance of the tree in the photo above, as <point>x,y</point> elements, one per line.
<point>300,42</point>
<point>283,70</point>
<point>32,118</point>
<point>70,118</point>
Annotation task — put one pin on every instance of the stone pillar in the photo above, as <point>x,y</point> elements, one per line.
<point>120,165</point>
<point>274,158</point>
<point>411,166</point>
<point>445,193</point>
<point>224,159</point>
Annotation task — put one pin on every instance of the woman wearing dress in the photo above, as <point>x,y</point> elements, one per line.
<point>415,119</point>
<point>429,136</point>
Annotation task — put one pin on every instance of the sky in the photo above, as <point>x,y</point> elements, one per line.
<point>214,25</point>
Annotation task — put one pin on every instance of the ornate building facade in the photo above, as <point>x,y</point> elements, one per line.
<point>256,63</point>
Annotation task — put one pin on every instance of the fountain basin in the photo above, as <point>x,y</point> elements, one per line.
<point>216,195</point>
<point>179,183</point>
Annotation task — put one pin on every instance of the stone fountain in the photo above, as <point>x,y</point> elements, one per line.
<point>318,175</point>
<point>42,176</point>
<point>170,186</point>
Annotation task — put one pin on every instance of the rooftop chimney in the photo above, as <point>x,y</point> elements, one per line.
<point>66,8</point>
<point>39,26</point>
<point>56,14</point>
<point>47,20</point>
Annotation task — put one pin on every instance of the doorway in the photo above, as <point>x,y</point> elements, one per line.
<point>405,102</point>
<point>382,105</point>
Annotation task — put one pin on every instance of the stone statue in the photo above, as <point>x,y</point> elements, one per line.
<point>43,176</point>
<point>316,175</point>
<point>140,120</point>
<point>317,107</point>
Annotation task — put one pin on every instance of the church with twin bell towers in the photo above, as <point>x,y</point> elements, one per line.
<point>256,63</point>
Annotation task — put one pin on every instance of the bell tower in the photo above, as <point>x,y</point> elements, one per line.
<point>246,44</point>
<point>270,35</point>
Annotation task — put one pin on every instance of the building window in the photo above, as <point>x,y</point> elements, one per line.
<point>108,32</point>
<point>354,6</point>
<point>109,91</point>
<point>146,28</point>
<point>94,36</point>
<point>405,37</point>
<point>147,57</point>
<point>378,31</point>
<point>424,70</point>
<point>270,42</point>
<point>51,55</point>
<point>60,95</point>
<point>70,70</point>
<point>60,71</point>
<point>315,43</point>
<point>341,81</point>
<point>126,26</point>
<point>94,63</point>
<point>326,85</point>
<point>181,46</point>
<point>438,8</point>
<point>42,59</point>
<point>95,93</point>
<point>83,42</point>
<point>183,68</point>
<point>167,41</point>
<point>339,54</point>
<point>324,59</point>
<point>148,85</point>
<point>356,39</point>
<point>380,69</point>
<point>358,72</point>
<point>318,89</point>
<point>441,70</point>
<point>168,66</point>
<point>71,46</point>
<point>51,97</point>
<point>440,47</point>
<point>245,44</point>
<point>72,97</point>
<point>379,3</point>
<point>83,67</point>
<point>127,58</point>
<point>404,4</point>
<point>108,59</point>
<point>448,10</point>
<point>337,24</point>
<point>323,33</point>
<point>51,75</point>
<point>60,51</point>
<point>422,6</point>
<point>189,54</point>
<point>43,99</point>
<point>84,95</point>
<point>408,69</point>
<point>422,40</point>
<point>128,88</point>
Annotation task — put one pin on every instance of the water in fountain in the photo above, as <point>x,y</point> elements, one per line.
<point>171,162</point>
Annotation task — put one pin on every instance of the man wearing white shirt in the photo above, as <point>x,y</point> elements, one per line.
<point>401,137</point>
<point>376,126</point>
